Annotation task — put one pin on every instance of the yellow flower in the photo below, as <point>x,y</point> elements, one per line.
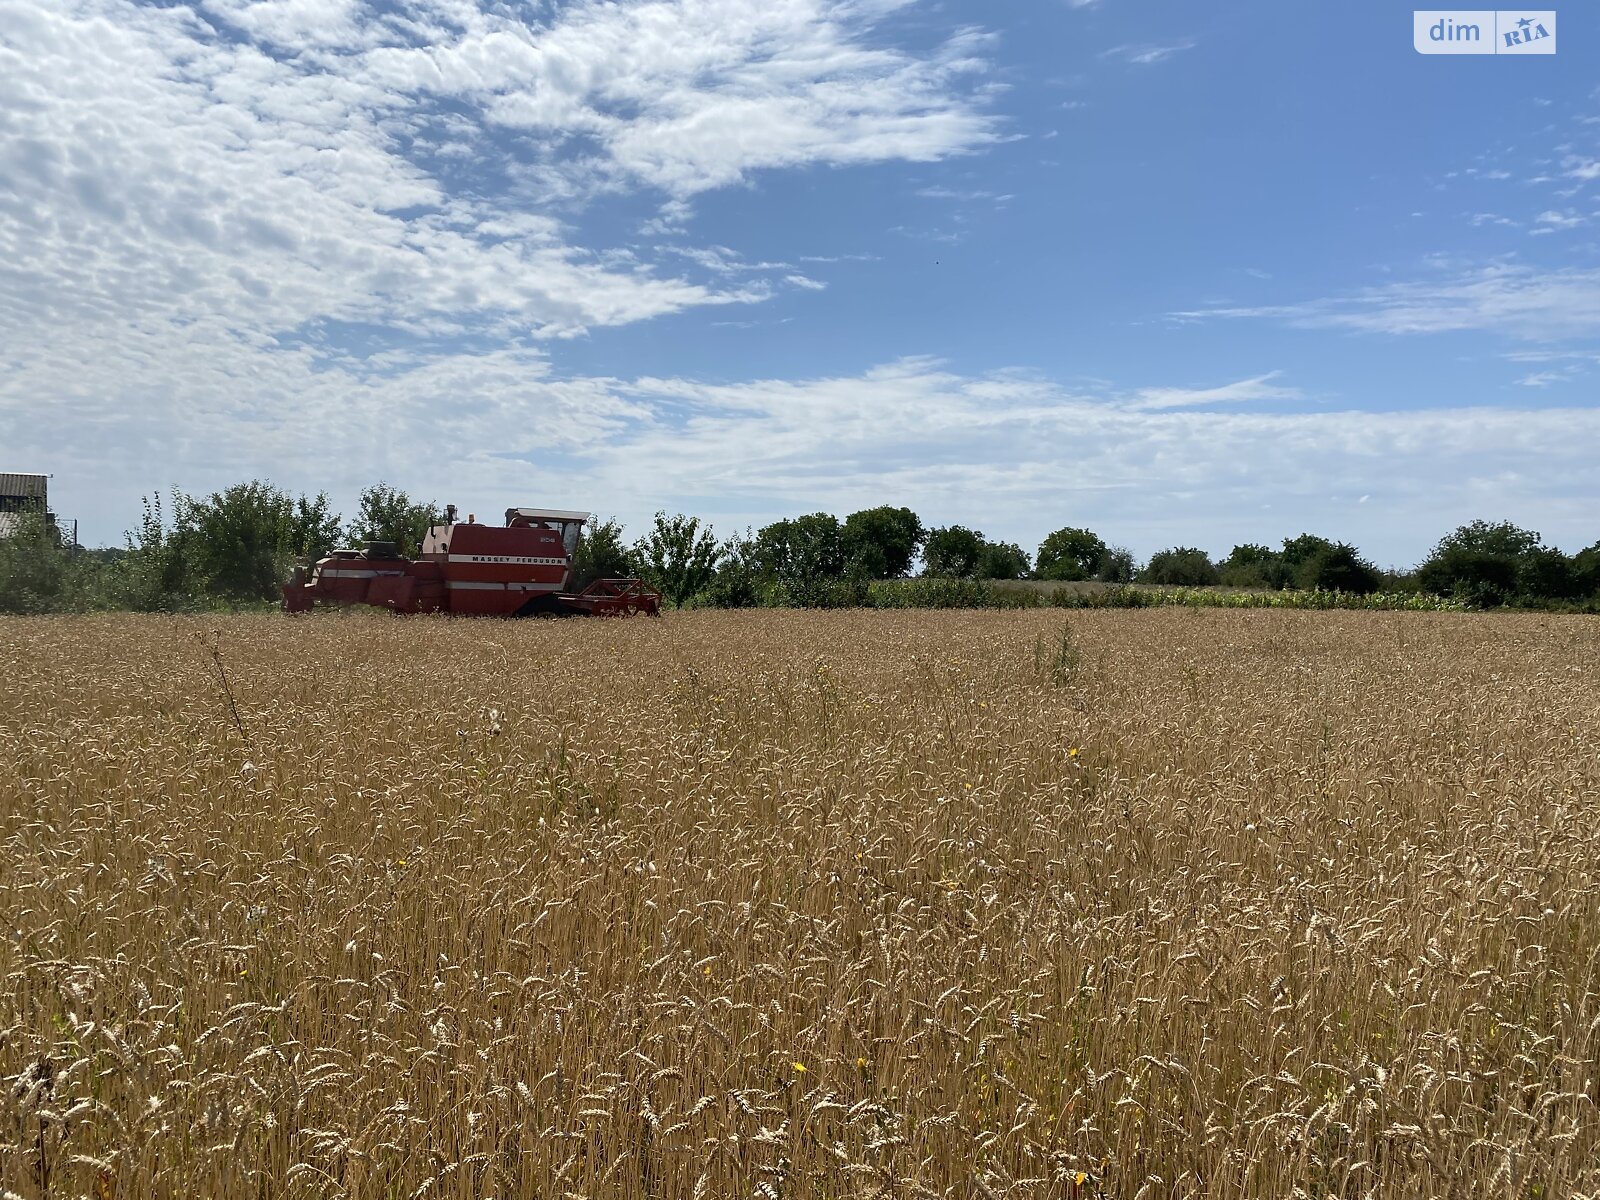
<point>707,971</point>
<point>1073,753</point>
<point>800,1068</point>
<point>861,1064</point>
<point>1080,1178</point>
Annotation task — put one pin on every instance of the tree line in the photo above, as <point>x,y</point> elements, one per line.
<point>234,547</point>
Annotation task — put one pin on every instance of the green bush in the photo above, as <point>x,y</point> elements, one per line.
<point>1147,597</point>
<point>36,570</point>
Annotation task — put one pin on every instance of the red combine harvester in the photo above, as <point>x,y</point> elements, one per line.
<point>520,569</point>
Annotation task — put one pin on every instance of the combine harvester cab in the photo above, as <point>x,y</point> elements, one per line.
<point>520,569</point>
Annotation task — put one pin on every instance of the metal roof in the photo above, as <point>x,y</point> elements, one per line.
<point>546,514</point>
<point>24,485</point>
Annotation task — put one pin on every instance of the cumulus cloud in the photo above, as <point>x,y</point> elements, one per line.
<point>161,164</point>
<point>688,95</point>
<point>1550,221</point>
<point>229,231</point>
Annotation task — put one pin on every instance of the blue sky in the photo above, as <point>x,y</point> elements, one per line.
<point>1187,274</point>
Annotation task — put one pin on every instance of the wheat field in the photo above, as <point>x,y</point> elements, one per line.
<point>786,904</point>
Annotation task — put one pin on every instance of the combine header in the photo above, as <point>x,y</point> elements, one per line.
<point>520,569</point>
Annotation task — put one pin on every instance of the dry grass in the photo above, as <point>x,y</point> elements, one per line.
<point>801,905</point>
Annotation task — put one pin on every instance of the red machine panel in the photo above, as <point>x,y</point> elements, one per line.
<point>497,570</point>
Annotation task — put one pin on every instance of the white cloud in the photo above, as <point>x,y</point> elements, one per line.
<point>687,95</point>
<point>1516,301</point>
<point>210,217</point>
<point>965,195</point>
<point>720,260</point>
<point>1551,221</point>
<point>156,179</point>
<point>1146,54</point>
<point>1259,388</point>
<point>150,166</point>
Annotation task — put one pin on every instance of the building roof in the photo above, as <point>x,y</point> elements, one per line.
<point>24,485</point>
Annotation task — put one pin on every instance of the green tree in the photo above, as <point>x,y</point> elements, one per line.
<point>241,541</point>
<point>1333,567</point>
<point>882,542</point>
<point>1252,565</point>
<point>1117,566</point>
<point>952,551</point>
<point>1481,562</point>
<point>1545,573</point>
<point>157,572</point>
<point>802,548</point>
<point>740,581</point>
<point>1297,550</point>
<point>1586,572</point>
<point>1002,560</point>
<point>601,554</point>
<point>1182,566</point>
<point>678,557</point>
<point>805,556</point>
<point>35,568</point>
<point>386,514</point>
<point>1070,554</point>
